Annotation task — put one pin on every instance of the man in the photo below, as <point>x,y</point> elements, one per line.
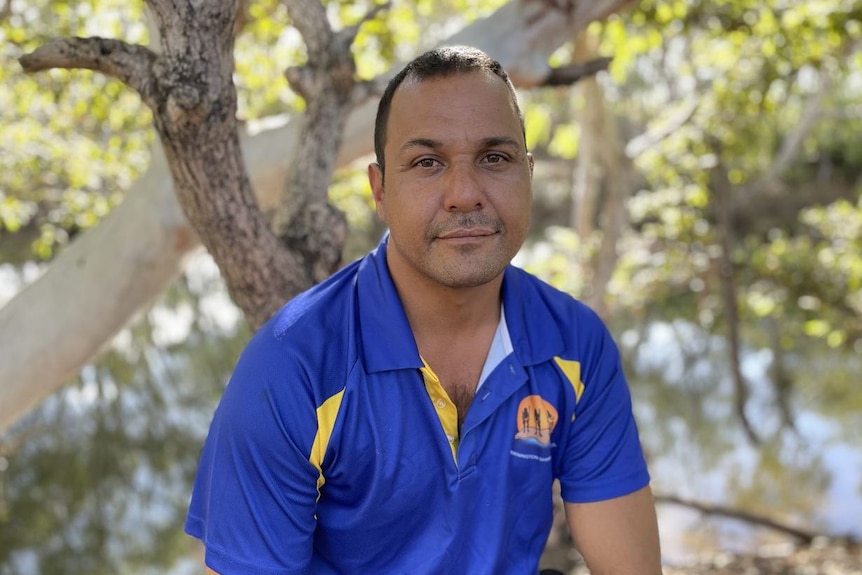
<point>377,423</point>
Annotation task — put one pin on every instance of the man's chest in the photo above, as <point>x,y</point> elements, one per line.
<point>390,445</point>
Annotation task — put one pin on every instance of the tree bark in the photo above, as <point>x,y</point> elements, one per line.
<point>52,328</point>
<point>305,220</point>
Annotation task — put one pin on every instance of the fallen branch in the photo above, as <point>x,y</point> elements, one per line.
<point>804,536</point>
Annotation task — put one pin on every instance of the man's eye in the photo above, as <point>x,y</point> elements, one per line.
<point>427,163</point>
<point>495,158</point>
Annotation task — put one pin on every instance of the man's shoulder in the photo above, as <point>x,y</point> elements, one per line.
<point>538,293</point>
<point>319,308</point>
<point>550,324</point>
<point>310,336</point>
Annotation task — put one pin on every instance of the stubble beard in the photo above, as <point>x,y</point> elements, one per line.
<point>473,266</point>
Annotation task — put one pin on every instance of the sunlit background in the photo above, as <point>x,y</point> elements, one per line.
<point>715,167</point>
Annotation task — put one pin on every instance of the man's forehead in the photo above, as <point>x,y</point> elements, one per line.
<point>413,80</point>
<point>411,98</point>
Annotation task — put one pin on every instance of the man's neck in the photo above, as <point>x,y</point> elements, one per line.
<point>434,310</point>
<point>448,311</point>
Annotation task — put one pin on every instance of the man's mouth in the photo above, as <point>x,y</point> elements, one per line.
<point>467,233</point>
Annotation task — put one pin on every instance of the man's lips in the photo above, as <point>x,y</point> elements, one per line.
<point>467,233</point>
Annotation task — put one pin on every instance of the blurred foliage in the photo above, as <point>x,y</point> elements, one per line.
<point>748,73</point>
<point>70,142</point>
<point>752,68</point>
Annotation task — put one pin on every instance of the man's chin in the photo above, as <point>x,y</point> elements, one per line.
<point>473,278</point>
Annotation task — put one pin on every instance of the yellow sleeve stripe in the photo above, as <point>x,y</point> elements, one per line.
<point>572,369</point>
<point>326,415</point>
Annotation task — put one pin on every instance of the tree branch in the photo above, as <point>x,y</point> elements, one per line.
<point>604,166</point>
<point>242,15</point>
<point>651,138</point>
<point>327,83</point>
<point>792,144</point>
<point>348,35</point>
<point>782,382</point>
<point>129,63</point>
<point>6,11</point>
<point>804,535</point>
<point>364,90</point>
<point>309,17</point>
<point>721,194</point>
<point>545,21</point>
<point>170,16</point>
<point>568,75</point>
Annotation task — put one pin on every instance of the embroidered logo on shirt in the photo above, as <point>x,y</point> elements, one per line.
<point>536,421</point>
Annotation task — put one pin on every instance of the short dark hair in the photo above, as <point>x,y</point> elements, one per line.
<point>437,63</point>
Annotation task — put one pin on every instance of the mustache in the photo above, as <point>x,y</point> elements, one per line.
<point>465,221</point>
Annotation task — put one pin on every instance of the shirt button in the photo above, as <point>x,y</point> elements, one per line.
<point>441,404</point>
<point>451,438</point>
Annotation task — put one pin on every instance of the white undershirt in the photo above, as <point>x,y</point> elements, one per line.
<point>501,346</point>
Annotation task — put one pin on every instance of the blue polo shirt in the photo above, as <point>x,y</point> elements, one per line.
<point>335,449</point>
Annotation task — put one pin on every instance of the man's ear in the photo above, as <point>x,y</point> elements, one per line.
<point>375,179</point>
<point>531,160</point>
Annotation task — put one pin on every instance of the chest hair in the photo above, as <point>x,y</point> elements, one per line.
<point>460,386</point>
<point>462,395</point>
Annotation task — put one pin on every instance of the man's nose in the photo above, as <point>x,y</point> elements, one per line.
<point>463,191</point>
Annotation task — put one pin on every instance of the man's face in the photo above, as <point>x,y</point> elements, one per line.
<point>457,191</point>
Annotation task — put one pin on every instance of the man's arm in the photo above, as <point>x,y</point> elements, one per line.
<point>254,496</point>
<point>617,536</point>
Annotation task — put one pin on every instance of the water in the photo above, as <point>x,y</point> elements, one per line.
<point>113,455</point>
<point>807,477</point>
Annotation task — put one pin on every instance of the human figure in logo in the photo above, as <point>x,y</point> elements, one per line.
<point>525,418</point>
<point>323,456</point>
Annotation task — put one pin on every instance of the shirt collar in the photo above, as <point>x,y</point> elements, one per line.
<point>388,343</point>
<point>533,328</point>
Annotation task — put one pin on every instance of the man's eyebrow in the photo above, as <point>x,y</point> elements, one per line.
<point>421,143</point>
<point>495,141</point>
<point>490,142</point>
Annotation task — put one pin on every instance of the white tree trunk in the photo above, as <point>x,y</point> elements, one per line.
<point>53,327</point>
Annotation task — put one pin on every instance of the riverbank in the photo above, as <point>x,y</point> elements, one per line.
<point>823,557</point>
